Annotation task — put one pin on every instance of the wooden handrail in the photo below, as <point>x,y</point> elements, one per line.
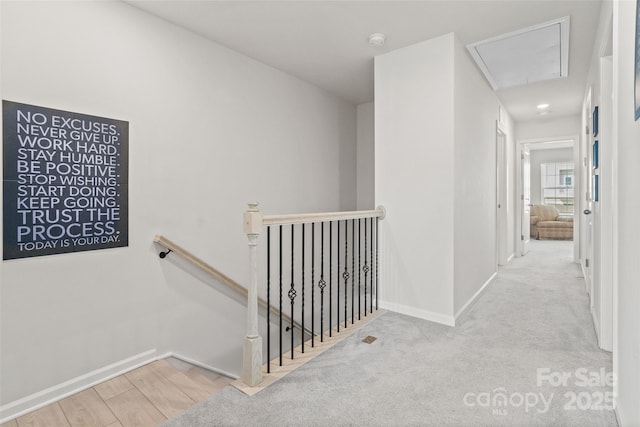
<point>379,212</point>
<point>221,277</point>
<point>163,241</point>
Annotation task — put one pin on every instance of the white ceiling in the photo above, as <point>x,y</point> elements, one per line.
<point>325,42</point>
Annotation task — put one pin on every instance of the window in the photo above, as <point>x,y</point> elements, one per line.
<point>557,186</point>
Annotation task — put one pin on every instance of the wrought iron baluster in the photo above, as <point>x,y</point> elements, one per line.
<point>292,291</point>
<point>330,275</point>
<point>313,281</point>
<point>280,243</point>
<point>338,280</point>
<point>353,268</point>
<point>359,267</point>
<point>322,284</point>
<point>302,285</point>
<point>345,275</point>
<point>371,258</point>
<point>268,300</point>
<point>377,259</point>
<point>365,268</point>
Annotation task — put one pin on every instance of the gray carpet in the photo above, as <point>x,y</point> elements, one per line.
<point>533,316</point>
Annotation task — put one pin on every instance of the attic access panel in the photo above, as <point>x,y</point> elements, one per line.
<point>526,56</point>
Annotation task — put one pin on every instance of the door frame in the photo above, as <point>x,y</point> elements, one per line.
<point>502,200</point>
<point>605,210</point>
<point>577,191</point>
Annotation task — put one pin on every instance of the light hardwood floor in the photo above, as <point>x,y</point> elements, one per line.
<point>144,397</point>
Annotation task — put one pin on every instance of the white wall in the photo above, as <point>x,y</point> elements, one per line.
<point>545,156</point>
<point>548,128</point>
<point>365,157</point>
<point>209,131</point>
<point>475,199</point>
<point>435,153</point>
<point>627,230</point>
<point>414,178</point>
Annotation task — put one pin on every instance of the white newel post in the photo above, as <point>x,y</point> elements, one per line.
<point>252,348</point>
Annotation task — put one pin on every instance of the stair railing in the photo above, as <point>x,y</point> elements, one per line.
<point>337,248</point>
<point>236,287</point>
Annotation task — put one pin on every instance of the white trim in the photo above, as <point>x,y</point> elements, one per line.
<point>596,325</point>
<point>615,159</point>
<point>616,410</point>
<point>549,140</point>
<point>502,196</point>
<point>198,364</point>
<point>604,212</point>
<point>586,281</point>
<point>419,313</point>
<point>57,392</point>
<point>475,297</point>
<point>510,257</point>
<point>517,233</point>
<point>577,218</point>
<point>379,212</point>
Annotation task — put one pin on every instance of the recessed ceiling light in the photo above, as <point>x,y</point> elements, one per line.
<point>542,106</point>
<point>377,39</point>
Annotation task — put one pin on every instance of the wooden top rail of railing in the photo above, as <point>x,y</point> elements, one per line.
<point>163,241</point>
<point>321,217</point>
<point>222,278</point>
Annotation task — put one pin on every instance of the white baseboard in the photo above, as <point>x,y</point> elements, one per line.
<point>584,277</point>
<point>419,313</point>
<point>200,365</point>
<point>60,391</point>
<point>616,411</point>
<point>510,258</point>
<point>596,325</point>
<point>475,297</point>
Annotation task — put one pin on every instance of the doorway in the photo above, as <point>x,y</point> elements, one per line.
<point>546,176</point>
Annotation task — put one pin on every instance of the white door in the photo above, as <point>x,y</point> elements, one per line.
<point>584,212</point>
<point>525,198</point>
<point>588,263</point>
<point>587,212</point>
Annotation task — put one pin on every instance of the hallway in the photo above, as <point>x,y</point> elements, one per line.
<point>529,338</point>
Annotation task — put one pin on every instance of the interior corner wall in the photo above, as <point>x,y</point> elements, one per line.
<point>210,130</point>
<point>365,157</point>
<point>545,156</point>
<point>476,115</point>
<point>627,134</point>
<point>414,177</point>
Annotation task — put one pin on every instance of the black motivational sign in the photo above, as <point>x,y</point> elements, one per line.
<point>65,181</point>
